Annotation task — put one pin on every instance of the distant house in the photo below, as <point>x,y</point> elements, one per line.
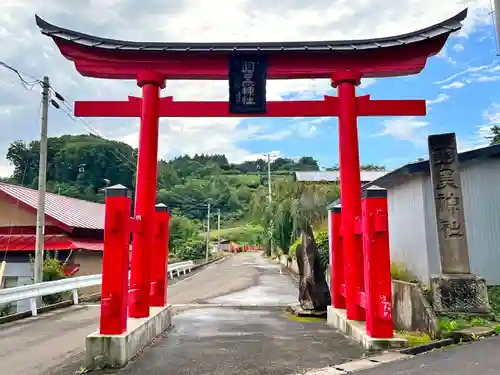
<point>334,176</point>
<point>412,217</point>
<point>74,230</point>
<point>229,246</point>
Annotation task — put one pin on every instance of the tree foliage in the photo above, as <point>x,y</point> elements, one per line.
<point>293,205</point>
<point>82,166</point>
<point>363,167</point>
<point>494,136</point>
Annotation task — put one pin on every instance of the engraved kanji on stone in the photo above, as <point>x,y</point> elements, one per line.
<point>450,228</point>
<point>443,156</point>
<point>448,203</point>
<point>446,178</point>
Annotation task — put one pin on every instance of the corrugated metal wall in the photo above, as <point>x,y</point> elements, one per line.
<point>481,194</point>
<point>412,221</point>
<point>407,226</point>
<point>431,233</point>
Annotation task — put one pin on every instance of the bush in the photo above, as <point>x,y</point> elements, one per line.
<point>323,243</point>
<point>247,233</point>
<point>191,250</point>
<point>53,269</point>
<point>5,309</point>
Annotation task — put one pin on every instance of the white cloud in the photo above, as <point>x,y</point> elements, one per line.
<point>478,139</point>
<point>454,85</point>
<point>458,47</point>
<point>441,98</point>
<point>471,69</point>
<point>189,20</point>
<point>488,78</point>
<point>481,73</point>
<point>405,129</point>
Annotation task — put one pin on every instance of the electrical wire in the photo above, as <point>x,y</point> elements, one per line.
<point>61,104</point>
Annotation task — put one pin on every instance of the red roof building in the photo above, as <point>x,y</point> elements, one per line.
<point>74,230</point>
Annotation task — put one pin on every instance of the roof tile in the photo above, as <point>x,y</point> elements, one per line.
<point>72,212</point>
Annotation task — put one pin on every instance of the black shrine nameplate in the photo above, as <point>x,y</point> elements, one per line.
<point>247,83</point>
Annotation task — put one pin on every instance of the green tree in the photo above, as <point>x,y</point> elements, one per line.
<point>293,206</point>
<point>363,167</point>
<point>494,136</point>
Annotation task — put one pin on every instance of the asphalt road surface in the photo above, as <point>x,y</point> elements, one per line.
<point>250,334</point>
<point>476,358</point>
<point>54,343</point>
<point>229,319</point>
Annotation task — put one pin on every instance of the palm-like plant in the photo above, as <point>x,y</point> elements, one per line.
<point>294,205</point>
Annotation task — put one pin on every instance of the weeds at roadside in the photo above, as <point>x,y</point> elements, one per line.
<point>415,338</point>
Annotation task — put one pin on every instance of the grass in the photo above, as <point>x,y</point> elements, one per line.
<point>243,233</point>
<point>243,179</point>
<point>415,338</point>
<point>400,272</point>
<point>303,319</point>
<point>494,297</point>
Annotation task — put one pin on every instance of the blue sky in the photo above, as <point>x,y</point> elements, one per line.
<point>461,84</point>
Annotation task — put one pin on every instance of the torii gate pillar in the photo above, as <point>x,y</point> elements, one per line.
<point>145,192</point>
<point>350,187</point>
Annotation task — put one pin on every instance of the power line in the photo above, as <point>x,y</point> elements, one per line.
<point>61,104</point>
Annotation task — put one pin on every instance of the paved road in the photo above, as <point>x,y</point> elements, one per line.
<point>477,358</point>
<point>44,344</point>
<point>250,335</point>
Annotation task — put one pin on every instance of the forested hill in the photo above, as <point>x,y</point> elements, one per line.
<point>81,166</point>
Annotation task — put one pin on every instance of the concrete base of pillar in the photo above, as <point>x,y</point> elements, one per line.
<point>460,293</point>
<point>337,318</point>
<point>115,351</point>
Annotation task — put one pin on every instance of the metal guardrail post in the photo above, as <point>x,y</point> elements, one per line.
<point>114,300</point>
<point>160,257</point>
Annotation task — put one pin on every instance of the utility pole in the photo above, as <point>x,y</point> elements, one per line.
<point>269,198</point>
<point>218,231</point>
<point>42,177</point>
<point>208,231</point>
<point>497,22</point>
<point>269,176</point>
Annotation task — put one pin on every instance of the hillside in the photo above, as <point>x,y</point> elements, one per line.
<point>81,166</point>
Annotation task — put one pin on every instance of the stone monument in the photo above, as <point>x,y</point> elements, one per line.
<point>314,294</point>
<point>455,289</point>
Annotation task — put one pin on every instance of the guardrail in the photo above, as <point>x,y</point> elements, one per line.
<point>71,284</point>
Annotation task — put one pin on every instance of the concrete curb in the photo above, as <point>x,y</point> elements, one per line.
<point>360,364</point>
<point>424,348</point>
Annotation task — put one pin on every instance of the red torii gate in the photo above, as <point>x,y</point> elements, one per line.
<point>345,63</point>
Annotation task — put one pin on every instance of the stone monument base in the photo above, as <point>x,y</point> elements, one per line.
<point>460,293</point>
<point>300,312</point>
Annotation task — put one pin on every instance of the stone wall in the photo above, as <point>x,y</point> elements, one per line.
<point>410,309</point>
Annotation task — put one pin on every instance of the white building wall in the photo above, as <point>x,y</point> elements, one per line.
<point>407,233</point>
<point>24,273</point>
<point>412,203</point>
